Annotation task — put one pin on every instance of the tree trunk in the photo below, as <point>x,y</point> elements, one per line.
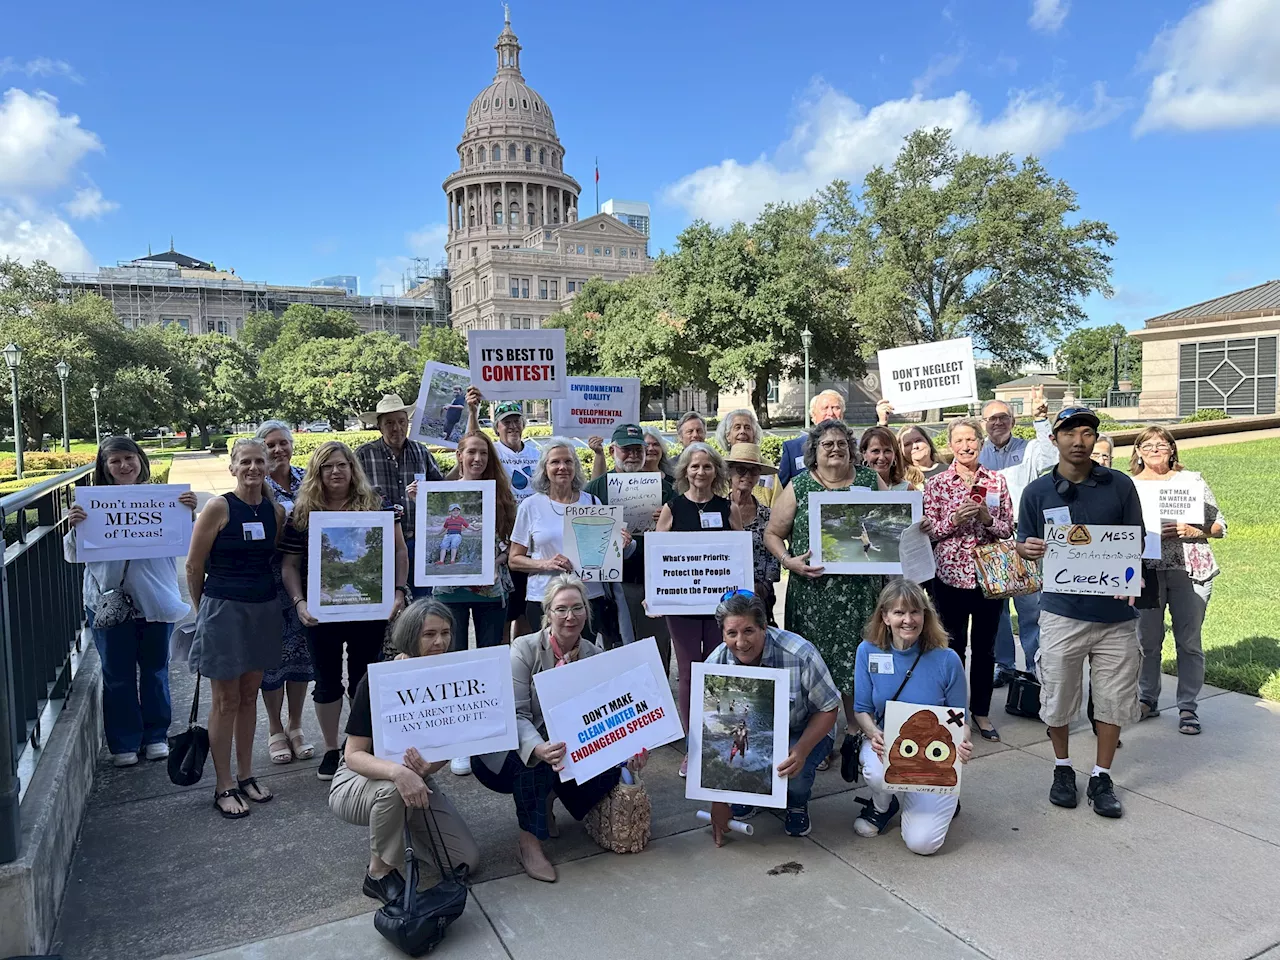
<point>760,398</point>
<point>204,436</point>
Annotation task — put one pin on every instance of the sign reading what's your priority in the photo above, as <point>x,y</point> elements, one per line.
<point>1093,559</point>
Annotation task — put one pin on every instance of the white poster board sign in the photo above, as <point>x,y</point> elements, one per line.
<point>454,527</point>
<point>639,495</point>
<point>922,748</point>
<point>1093,559</point>
<point>594,406</point>
<point>929,375</point>
<point>449,705</point>
<point>608,708</point>
<point>440,412</point>
<point>1180,498</point>
<point>738,734</point>
<point>686,574</point>
<point>859,531</point>
<point>593,541</point>
<point>134,521</point>
<point>518,364</point>
<point>351,565</point>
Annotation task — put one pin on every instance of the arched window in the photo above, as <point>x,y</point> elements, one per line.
<point>470,156</point>
<point>528,154</point>
<point>511,151</point>
<point>515,212</point>
<point>497,213</point>
<point>542,157</point>
<point>481,154</point>
<point>555,214</point>
<point>533,218</point>
<point>471,216</point>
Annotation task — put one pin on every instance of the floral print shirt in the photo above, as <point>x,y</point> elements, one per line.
<point>953,544</point>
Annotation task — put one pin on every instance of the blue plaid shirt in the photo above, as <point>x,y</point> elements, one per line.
<point>812,689</point>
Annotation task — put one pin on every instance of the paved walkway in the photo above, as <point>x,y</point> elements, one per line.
<point>1192,872</point>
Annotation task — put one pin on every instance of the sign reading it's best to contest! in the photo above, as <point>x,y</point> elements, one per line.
<point>132,522</point>
<point>929,375</point>
<point>518,364</point>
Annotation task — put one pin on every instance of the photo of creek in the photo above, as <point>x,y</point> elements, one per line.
<point>737,734</point>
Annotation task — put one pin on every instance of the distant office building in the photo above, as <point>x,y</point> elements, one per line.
<point>342,281</point>
<point>633,213</point>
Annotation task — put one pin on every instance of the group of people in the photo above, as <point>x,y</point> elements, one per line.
<point>246,572</point>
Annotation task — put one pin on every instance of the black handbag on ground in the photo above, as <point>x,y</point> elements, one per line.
<point>417,922</point>
<point>860,737</point>
<point>189,749</point>
<point>1024,695</point>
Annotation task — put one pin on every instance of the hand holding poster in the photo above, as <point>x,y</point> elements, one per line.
<point>639,495</point>
<point>593,541</point>
<point>1103,561</point>
<point>518,364</point>
<point>686,574</point>
<point>351,565</point>
<point>454,523</point>
<point>929,375</point>
<point>1179,499</point>
<point>595,405</point>
<point>133,521</point>
<point>448,705</point>
<point>922,748</point>
<point>440,412</point>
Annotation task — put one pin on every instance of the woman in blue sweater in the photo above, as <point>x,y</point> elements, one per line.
<point>905,657</point>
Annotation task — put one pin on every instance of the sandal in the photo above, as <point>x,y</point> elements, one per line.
<point>1149,710</point>
<point>251,783</point>
<point>301,751</point>
<point>825,763</point>
<point>278,747</point>
<point>1189,723</point>
<point>991,734</point>
<point>232,794</point>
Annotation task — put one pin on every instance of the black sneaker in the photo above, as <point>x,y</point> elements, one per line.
<point>329,765</point>
<point>1001,678</point>
<point>872,823</point>
<point>741,811</point>
<point>1102,796</point>
<point>1063,792</point>
<point>388,889</point>
<point>797,822</point>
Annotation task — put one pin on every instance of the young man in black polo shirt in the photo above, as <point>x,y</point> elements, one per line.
<point>1075,628</point>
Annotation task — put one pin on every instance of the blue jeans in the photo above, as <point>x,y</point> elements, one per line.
<point>135,683</point>
<point>1028,608</point>
<point>490,619</point>
<point>800,787</point>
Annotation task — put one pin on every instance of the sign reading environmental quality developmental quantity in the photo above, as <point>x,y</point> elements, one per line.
<point>518,364</point>
<point>596,405</point>
<point>685,574</point>
<point>929,375</point>
<point>1103,561</point>
<point>132,522</point>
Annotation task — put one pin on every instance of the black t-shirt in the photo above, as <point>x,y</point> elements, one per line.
<point>360,720</point>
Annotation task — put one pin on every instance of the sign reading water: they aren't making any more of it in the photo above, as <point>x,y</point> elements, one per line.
<point>1093,559</point>
<point>929,375</point>
<point>133,522</point>
<point>518,364</point>
<point>685,574</point>
<point>595,406</point>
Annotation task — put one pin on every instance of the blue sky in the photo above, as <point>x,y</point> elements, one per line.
<point>291,140</point>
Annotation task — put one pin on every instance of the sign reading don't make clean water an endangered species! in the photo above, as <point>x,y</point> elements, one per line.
<point>929,375</point>
<point>1103,561</point>
<point>132,522</point>
<point>518,364</point>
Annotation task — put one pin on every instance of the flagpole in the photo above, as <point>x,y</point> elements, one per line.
<point>597,184</point>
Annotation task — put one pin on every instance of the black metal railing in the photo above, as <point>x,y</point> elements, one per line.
<point>41,612</point>
<point>1122,398</point>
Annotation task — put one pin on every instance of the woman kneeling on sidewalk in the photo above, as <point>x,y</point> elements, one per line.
<point>380,794</point>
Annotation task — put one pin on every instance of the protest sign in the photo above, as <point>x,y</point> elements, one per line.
<point>440,412</point>
<point>1103,561</point>
<point>738,734</point>
<point>133,521</point>
<point>929,375</point>
<point>518,364</point>
<point>685,574</point>
<point>608,708</point>
<point>1180,498</point>
<point>593,541</point>
<point>351,565</point>
<point>455,522</point>
<point>639,495</point>
<point>448,705</point>
<point>859,531</point>
<point>595,405</point>
<point>922,743</point>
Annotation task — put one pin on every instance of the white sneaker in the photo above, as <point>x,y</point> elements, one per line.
<point>124,759</point>
<point>460,767</point>
<point>156,751</point>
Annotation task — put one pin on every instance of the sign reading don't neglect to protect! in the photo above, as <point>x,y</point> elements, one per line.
<point>133,522</point>
<point>518,364</point>
<point>929,375</point>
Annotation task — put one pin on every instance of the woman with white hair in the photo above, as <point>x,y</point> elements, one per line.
<point>741,426</point>
<point>655,454</point>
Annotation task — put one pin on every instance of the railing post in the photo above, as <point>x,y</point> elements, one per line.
<point>10,824</point>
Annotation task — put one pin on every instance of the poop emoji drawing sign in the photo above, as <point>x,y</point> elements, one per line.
<point>923,755</point>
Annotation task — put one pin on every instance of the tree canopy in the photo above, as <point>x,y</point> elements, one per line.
<point>1085,358</point>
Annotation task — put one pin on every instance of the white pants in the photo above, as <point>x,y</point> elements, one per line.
<point>926,817</point>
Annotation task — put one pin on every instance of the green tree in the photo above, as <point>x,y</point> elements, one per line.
<point>260,330</point>
<point>1085,358</point>
<point>335,379</point>
<point>990,377</point>
<point>219,382</point>
<point>443,345</point>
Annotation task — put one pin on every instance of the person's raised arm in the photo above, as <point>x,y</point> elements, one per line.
<point>735,517</point>
<point>599,463</point>
<point>474,398</point>
<point>402,572</point>
<point>207,527</point>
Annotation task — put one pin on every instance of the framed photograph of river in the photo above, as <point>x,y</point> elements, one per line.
<point>858,531</point>
<point>351,566</point>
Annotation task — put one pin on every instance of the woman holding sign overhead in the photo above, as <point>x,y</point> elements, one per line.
<point>135,653</point>
<point>1183,578</point>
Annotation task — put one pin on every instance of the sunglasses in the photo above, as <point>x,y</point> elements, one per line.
<point>736,592</point>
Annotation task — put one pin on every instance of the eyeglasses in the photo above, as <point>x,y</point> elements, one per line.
<point>576,610</point>
<point>830,445</point>
<point>736,592</point>
<point>341,465</point>
<point>999,418</point>
<point>1155,448</point>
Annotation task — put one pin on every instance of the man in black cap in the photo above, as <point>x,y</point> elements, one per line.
<point>1074,627</point>
<point>628,457</point>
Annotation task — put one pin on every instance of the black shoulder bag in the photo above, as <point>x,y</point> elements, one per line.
<point>859,738</point>
<point>417,923</point>
<point>189,749</point>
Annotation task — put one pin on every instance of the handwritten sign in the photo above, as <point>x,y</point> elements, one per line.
<point>449,705</point>
<point>1102,561</point>
<point>518,364</point>
<point>639,495</point>
<point>685,574</point>
<point>922,748</point>
<point>596,405</point>
<point>1180,498</point>
<point>132,522</point>
<point>929,375</point>
<point>593,541</point>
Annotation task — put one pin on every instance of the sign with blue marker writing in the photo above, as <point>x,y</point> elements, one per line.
<point>594,406</point>
<point>1092,559</point>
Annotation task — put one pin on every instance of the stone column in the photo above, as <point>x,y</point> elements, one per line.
<point>524,205</point>
<point>546,210</point>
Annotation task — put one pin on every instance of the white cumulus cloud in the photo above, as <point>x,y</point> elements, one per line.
<point>89,204</point>
<point>1048,16</point>
<point>39,145</point>
<point>40,235</point>
<point>1216,68</point>
<point>429,241</point>
<point>836,137</point>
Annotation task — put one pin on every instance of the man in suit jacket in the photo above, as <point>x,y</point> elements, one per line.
<point>828,405</point>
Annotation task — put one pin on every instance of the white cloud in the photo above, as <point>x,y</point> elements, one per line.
<point>40,235</point>
<point>39,145</point>
<point>89,204</point>
<point>426,244</point>
<point>837,137</point>
<point>1048,16</point>
<point>938,68</point>
<point>429,241</point>
<point>40,67</point>
<point>1216,68</point>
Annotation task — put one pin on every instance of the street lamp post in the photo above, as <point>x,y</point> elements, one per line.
<point>806,337</point>
<point>64,370</point>
<point>95,393</point>
<point>1115,362</point>
<point>13,357</point>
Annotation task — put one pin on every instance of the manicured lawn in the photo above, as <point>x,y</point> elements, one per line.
<point>1242,629</point>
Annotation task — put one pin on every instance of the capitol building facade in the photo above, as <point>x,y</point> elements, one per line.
<point>517,249</point>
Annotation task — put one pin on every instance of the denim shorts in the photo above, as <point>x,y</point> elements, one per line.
<point>451,541</point>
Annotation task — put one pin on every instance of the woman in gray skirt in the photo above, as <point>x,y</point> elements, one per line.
<point>238,619</point>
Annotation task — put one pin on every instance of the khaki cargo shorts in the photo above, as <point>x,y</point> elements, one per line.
<point>1114,657</point>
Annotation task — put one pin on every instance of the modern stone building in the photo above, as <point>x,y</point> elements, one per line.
<point>517,249</point>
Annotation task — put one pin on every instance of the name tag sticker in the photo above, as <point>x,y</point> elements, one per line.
<point>253,531</point>
<point>800,463</point>
<point>881,663</point>
<point>1057,516</point>
<point>711,521</point>
<point>993,503</point>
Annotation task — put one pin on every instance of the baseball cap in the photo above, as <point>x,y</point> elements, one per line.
<point>1069,418</point>
<point>508,408</point>
<point>628,435</point>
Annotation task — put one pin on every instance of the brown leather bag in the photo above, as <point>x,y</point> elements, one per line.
<point>621,821</point>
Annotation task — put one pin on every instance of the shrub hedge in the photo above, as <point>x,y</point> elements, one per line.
<point>1201,416</point>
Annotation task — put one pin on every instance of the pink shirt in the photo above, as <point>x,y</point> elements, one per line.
<point>953,544</point>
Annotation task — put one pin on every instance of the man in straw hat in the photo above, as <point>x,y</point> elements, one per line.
<point>746,466</point>
<point>393,463</point>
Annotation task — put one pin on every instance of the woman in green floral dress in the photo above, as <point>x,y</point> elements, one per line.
<point>827,610</point>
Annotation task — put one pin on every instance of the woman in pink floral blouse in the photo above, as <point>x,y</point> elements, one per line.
<point>967,506</point>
